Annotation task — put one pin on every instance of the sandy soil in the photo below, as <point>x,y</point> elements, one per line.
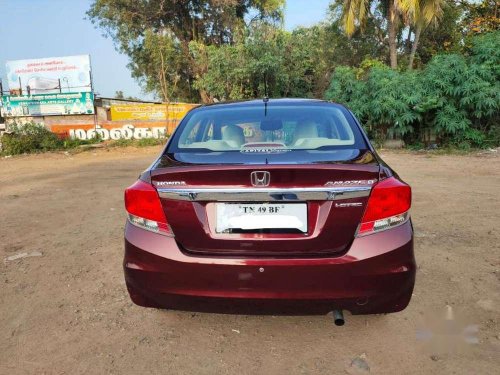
<point>67,311</point>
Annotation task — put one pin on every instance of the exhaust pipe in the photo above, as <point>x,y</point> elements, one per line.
<point>338,318</point>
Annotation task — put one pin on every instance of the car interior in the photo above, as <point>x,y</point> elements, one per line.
<point>307,133</point>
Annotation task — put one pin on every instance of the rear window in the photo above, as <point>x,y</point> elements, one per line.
<point>268,130</point>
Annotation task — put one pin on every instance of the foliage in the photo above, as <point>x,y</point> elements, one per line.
<point>414,14</point>
<point>456,97</point>
<point>480,18</point>
<point>216,50</point>
<point>29,138</point>
<point>69,143</point>
<point>294,64</point>
<point>268,58</point>
<point>122,142</point>
<point>32,138</point>
<point>211,49</point>
<point>175,61</point>
<point>156,34</point>
<point>120,95</point>
<point>143,142</point>
<point>146,142</point>
<point>446,36</point>
<point>383,98</point>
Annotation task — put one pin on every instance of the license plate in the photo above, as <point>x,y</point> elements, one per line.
<point>254,216</point>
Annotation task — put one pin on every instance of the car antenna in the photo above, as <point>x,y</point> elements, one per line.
<point>266,97</point>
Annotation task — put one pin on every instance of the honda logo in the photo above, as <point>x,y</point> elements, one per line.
<point>260,178</point>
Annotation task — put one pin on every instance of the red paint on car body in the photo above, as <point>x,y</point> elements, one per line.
<point>328,266</point>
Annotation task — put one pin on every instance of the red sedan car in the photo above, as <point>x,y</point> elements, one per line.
<point>270,206</point>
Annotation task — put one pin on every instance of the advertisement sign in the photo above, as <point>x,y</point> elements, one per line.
<point>75,103</point>
<point>110,130</point>
<point>152,112</point>
<point>50,75</point>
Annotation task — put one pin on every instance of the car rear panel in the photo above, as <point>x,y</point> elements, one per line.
<point>320,267</point>
<point>376,275</point>
<point>335,196</point>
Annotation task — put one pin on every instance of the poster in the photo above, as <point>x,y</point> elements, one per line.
<point>49,75</point>
<point>75,103</point>
<point>152,112</point>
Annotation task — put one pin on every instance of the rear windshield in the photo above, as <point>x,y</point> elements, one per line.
<point>238,132</point>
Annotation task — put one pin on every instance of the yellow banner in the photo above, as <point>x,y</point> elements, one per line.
<point>153,112</point>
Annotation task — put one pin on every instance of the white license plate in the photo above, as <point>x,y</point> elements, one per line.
<point>254,216</point>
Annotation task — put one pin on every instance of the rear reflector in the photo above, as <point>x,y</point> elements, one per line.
<point>387,207</point>
<point>144,208</point>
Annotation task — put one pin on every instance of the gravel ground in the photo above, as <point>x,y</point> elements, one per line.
<point>64,308</point>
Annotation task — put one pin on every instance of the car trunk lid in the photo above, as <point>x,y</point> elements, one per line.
<point>332,198</point>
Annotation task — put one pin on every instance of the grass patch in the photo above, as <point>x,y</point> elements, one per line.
<point>144,142</point>
<point>122,142</point>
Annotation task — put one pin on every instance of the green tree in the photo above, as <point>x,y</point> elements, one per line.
<point>446,36</point>
<point>425,13</point>
<point>419,13</point>
<point>355,13</point>
<point>480,17</point>
<point>120,95</point>
<point>156,34</point>
<point>268,58</point>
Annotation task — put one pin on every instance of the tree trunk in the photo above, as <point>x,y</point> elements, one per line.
<point>414,46</point>
<point>205,98</point>
<point>392,26</point>
<point>408,40</point>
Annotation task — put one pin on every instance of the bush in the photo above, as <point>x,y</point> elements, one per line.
<point>29,138</point>
<point>32,138</point>
<point>456,97</point>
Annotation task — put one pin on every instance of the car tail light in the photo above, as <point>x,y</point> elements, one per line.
<point>387,207</point>
<point>144,208</point>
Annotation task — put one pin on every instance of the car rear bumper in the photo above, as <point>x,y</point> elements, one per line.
<point>376,275</point>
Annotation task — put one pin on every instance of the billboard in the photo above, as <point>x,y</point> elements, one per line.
<point>149,112</point>
<point>75,103</point>
<point>67,74</point>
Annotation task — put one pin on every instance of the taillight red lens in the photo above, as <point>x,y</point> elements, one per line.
<point>388,206</point>
<point>144,208</point>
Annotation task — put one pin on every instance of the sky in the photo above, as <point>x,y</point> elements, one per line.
<point>53,28</point>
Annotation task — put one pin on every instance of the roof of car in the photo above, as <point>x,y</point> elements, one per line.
<point>270,101</point>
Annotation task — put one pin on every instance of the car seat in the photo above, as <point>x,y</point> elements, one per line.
<point>233,135</point>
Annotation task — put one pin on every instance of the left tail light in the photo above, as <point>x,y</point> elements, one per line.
<point>387,207</point>
<point>144,208</point>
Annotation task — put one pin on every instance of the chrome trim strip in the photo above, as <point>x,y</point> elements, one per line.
<point>265,194</point>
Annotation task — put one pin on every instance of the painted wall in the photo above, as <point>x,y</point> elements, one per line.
<point>88,126</point>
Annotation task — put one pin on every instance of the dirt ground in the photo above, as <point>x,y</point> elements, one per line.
<point>67,311</point>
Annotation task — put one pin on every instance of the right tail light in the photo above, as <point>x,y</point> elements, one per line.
<point>388,206</point>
